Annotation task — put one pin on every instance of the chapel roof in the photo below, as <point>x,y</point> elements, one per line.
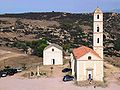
<point>81,51</point>
<point>55,45</point>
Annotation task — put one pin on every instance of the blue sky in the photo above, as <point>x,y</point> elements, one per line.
<point>20,6</point>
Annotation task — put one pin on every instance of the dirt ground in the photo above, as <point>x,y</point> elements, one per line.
<point>55,82</point>
<point>17,83</point>
<point>112,73</point>
<point>15,58</point>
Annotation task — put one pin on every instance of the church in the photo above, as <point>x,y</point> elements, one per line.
<point>87,63</point>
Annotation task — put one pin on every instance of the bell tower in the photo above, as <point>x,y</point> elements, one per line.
<point>98,32</point>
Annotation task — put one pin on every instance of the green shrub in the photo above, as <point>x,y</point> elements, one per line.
<point>117,44</point>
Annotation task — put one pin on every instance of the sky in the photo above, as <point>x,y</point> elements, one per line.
<point>72,6</point>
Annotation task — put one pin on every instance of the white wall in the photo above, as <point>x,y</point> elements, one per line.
<point>97,71</point>
<point>95,37</point>
<point>48,55</point>
<point>100,16</point>
<point>98,24</point>
<point>72,64</point>
<point>99,50</point>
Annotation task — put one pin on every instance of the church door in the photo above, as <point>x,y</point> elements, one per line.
<point>90,75</point>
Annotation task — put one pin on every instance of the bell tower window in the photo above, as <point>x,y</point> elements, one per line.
<point>97,16</point>
<point>97,40</point>
<point>97,29</point>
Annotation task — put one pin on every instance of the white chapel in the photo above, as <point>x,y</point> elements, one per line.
<point>53,55</point>
<point>87,63</point>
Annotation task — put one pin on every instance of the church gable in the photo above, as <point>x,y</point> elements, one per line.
<point>84,51</point>
<point>89,56</point>
<point>53,49</point>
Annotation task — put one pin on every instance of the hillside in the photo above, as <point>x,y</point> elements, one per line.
<point>66,29</point>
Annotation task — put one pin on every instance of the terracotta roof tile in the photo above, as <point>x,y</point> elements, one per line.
<point>80,51</point>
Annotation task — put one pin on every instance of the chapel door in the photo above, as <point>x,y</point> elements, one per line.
<point>90,75</point>
<point>53,61</point>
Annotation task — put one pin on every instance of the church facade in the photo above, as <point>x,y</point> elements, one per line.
<point>87,63</point>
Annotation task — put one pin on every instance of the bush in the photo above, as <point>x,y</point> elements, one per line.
<point>117,44</point>
<point>20,45</point>
<point>37,46</point>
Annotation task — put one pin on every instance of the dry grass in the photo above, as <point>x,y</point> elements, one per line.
<point>22,60</point>
<point>112,73</point>
<point>93,83</point>
<point>113,60</point>
<point>19,61</point>
<point>37,23</point>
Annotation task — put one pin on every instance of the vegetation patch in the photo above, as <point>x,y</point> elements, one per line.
<point>37,46</point>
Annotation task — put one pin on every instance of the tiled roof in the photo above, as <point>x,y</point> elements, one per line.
<point>81,51</point>
<point>55,45</point>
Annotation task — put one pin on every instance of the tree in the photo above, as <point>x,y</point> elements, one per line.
<point>117,44</point>
<point>39,49</point>
<point>39,46</point>
<point>66,46</point>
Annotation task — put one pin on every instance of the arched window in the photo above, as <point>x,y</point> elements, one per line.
<point>97,40</point>
<point>97,16</point>
<point>97,29</point>
<point>52,49</point>
<point>89,57</point>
